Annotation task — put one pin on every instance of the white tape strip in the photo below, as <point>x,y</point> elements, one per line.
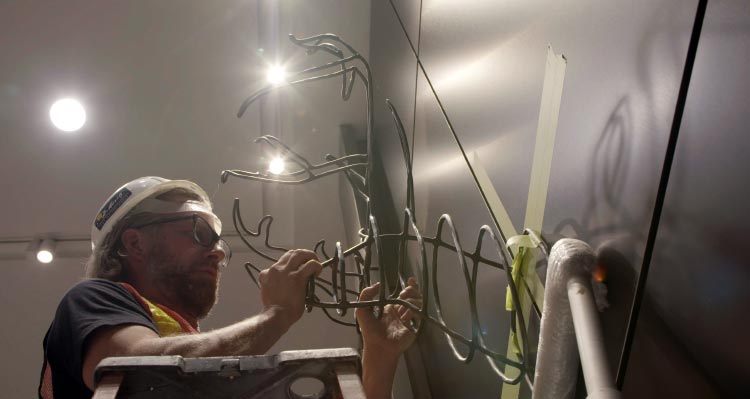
<point>549,111</point>
<point>496,205</point>
<point>545,140</point>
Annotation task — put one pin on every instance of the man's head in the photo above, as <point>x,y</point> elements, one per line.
<point>161,234</point>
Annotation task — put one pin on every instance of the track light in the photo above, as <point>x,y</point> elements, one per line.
<point>46,251</point>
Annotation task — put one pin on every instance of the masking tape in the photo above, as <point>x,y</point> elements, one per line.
<point>493,200</point>
<point>549,112</point>
<point>545,140</point>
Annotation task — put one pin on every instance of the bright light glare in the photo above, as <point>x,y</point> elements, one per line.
<point>276,166</point>
<point>67,114</point>
<point>44,256</point>
<point>276,75</point>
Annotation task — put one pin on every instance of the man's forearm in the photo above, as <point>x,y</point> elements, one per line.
<point>378,371</point>
<point>252,336</point>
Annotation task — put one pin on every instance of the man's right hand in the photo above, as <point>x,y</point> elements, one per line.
<point>283,285</point>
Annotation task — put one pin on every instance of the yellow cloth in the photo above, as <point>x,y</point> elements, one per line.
<point>165,323</point>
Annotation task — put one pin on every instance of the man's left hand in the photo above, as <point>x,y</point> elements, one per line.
<point>390,334</point>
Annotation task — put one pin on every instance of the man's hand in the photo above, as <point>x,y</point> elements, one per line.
<point>385,339</point>
<point>389,333</point>
<point>283,285</point>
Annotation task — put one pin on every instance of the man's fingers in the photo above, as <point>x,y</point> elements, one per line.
<point>410,292</point>
<point>262,277</point>
<point>364,315</point>
<point>310,268</point>
<point>300,257</point>
<point>294,258</point>
<point>408,315</point>
<point>370,292</point>
<point>401,309</point>
<point>285,257</point>
<point>412,295</point>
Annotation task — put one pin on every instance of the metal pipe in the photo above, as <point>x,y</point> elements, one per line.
<point>596,371</point>
<point>569,324</point>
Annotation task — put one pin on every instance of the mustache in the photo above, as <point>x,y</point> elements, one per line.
<point>171,267</point>
<point>203,265</point>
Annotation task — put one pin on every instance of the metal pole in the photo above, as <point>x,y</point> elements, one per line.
<point>596,371</point>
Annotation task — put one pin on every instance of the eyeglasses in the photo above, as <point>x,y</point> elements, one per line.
<point>203,234</point>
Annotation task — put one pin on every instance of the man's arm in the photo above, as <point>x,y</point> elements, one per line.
<point>283,296</point>
<point>385,339</point>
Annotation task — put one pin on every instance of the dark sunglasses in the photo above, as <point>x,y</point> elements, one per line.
<point>203,233</point>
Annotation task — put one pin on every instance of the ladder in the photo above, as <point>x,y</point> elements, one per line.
<point>321,373</point>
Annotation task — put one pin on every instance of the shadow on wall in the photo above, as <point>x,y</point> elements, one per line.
<point>605,213</point>
<point>607,220</point>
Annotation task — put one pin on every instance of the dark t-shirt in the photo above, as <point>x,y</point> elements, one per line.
<point>88,306</point>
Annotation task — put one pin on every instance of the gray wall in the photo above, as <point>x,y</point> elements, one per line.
<point>482,70</point>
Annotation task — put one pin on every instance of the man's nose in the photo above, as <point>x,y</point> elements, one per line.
<point>215,254</point>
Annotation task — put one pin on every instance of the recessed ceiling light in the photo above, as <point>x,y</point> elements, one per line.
<point>67,114</point>
<point>276,75</point>
<point>276,166</point>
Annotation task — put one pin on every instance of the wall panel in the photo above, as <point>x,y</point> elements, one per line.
<point>482,72</point>
<point>696,290</point>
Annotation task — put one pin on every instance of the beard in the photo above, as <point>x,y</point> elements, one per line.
<point>197,295</point>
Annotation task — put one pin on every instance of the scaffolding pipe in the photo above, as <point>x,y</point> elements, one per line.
<point>570,328</point>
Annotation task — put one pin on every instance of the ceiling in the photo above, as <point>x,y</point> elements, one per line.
<point>161,83</point>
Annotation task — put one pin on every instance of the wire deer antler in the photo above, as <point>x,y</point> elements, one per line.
<point>342,296</point>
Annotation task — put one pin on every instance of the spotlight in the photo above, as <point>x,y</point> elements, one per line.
<point>277,166</point>
<point>276,75</point>
<point>46,251</point>
<point>67,114</point>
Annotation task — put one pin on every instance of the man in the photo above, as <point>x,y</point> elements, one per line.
<point>154,273</point>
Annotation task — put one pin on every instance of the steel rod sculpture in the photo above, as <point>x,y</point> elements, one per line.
<point>360,256</point>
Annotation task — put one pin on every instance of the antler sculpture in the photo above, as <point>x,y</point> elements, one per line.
<point>359,257</point>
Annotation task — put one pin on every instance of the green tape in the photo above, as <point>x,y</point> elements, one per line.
<point>517,245</point>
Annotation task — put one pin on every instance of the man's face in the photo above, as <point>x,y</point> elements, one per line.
<point>186,270</point>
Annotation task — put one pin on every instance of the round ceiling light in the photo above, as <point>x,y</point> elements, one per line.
<point>276,75</point>
<point>67,115</point>
<point>276,166</point>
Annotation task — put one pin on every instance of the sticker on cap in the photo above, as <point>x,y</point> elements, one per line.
<point>111,207</point>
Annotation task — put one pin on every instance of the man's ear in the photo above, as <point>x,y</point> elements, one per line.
<point>133,245</point>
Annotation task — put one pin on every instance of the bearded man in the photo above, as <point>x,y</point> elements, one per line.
<point>154,273</point>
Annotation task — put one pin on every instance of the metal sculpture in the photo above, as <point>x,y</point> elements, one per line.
<point>360,256</point>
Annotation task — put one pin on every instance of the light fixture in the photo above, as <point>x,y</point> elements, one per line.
<point>67,114</point>
<point>277,166</point>
<point>46,251</point>
<point>276,75</point>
